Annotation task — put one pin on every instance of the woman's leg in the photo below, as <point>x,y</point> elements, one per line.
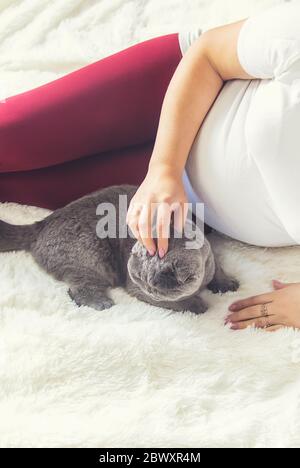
<point>55,186</point>
<point>111,104</point>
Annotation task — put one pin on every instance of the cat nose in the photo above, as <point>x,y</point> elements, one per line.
<point>164,279</point>
<point>158,279</point>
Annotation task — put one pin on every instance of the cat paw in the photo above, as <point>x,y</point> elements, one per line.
<point>104,303</point>
<point>223,286</point>
<point>97,303</point>
<point>196,305</point>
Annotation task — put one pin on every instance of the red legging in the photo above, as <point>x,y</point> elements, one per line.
<point>89,129</point>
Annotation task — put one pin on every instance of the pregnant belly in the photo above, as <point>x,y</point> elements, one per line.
<point>225,177</point>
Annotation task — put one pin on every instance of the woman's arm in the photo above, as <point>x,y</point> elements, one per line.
<point>211,60</point>
<point>198,79</point>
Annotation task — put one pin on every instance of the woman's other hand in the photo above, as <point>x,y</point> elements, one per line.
<point>282,307</point>
<point>161,193</point>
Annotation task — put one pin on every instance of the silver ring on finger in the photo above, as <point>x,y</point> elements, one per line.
<point>268,324</point>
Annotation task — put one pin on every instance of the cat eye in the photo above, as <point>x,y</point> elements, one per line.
<point>189,277</point>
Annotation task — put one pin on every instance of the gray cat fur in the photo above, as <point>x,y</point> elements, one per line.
<point>65,244</point>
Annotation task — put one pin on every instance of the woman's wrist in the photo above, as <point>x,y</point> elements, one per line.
<point>159,168</point>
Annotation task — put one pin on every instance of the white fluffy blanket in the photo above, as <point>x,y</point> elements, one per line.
<point>132,376</point>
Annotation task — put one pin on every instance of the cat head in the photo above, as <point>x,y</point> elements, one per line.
<point>179,274</point>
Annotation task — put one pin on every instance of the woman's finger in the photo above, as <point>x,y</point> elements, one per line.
<point>274,328</point>
<point>250,301</point>
<point>279,285</point>
<point>132,217</point>
<point>133,226</point>
<point>133,213</point>
<point>163,221</point>
<point>261,322</point>
<point>145,228</point>
<point>249,313</point>
<point>180,211</point>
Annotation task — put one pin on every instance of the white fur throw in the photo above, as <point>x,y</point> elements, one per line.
<point>134,375</point>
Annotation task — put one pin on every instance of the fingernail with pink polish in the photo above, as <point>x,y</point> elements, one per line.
<point>232,307</point>
<point>161,253</point>
<point>151,252</point>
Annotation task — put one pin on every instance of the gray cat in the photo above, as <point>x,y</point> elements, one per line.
<point>66,245</point>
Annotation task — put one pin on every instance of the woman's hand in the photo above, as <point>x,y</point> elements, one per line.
<point>282,307</point>
<point>160,193</point>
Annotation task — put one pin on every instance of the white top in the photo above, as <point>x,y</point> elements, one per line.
<point>244,164</point>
